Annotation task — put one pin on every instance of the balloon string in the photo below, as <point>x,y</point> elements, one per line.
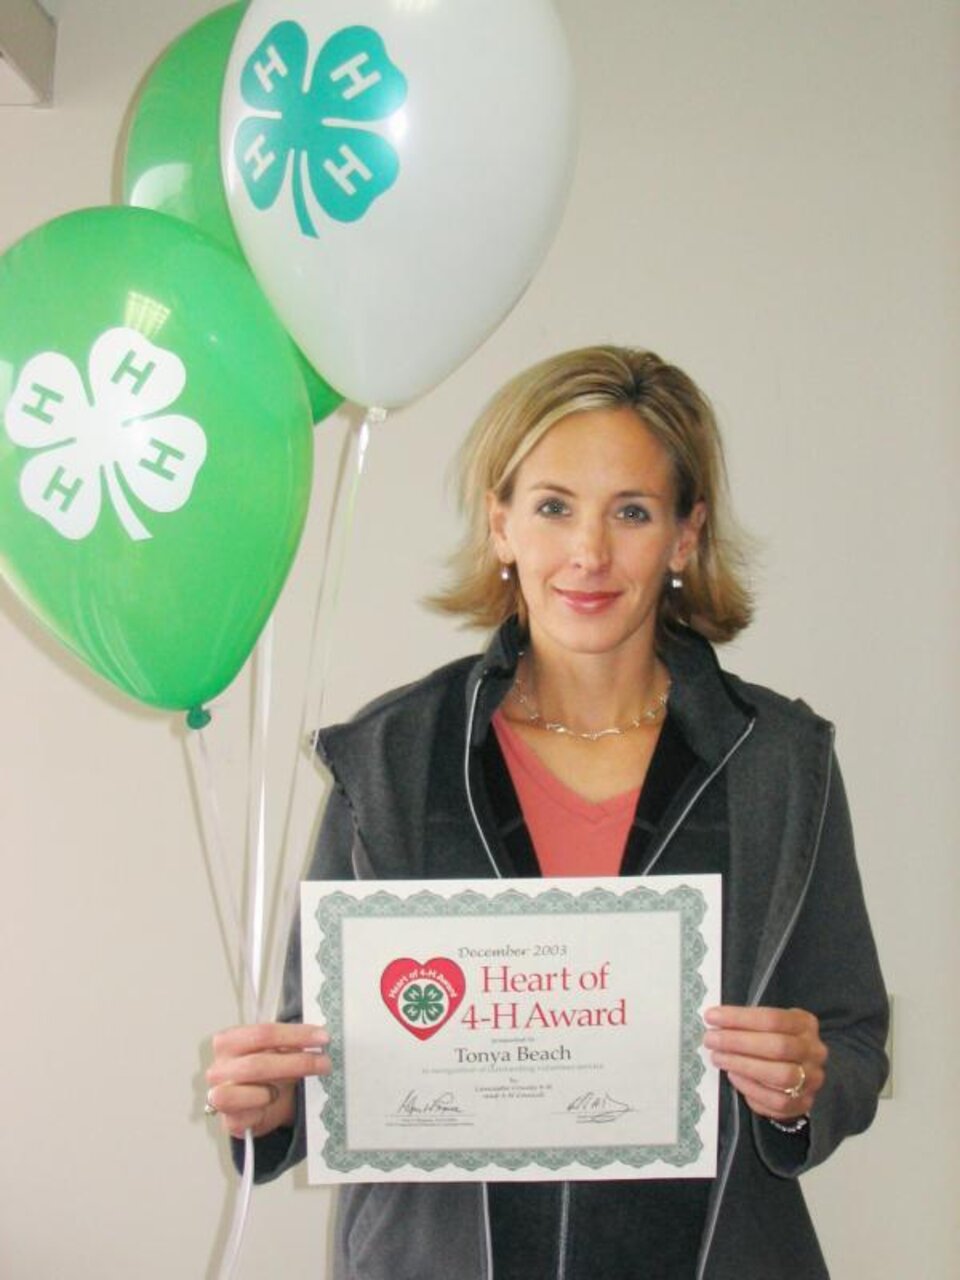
<point>336,547</point>
<point>256,898</point>
<point>341,524</point>
<point>257,841</point>
<point>241,1212</point>
<point>214,842</point>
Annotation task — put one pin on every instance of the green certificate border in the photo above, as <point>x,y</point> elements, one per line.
<point>685,901</point>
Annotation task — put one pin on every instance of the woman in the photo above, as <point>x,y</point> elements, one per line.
<point>598,735</point>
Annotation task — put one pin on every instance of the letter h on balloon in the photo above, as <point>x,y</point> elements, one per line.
<point>341,174</point>
<point>360,83</point>
<point>257,158</point>
<point>128,368</point>
<point>38,409</point>
<point>265,70</point>
<point>66,492</point>
<point>158,464</point>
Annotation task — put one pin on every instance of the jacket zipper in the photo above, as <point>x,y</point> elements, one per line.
<point>564,1232</point>
<point>485,1197</point>
<point>753,1001</point>
<point>696,796</point>
<point>487,1237</point>
<point>466,775</point>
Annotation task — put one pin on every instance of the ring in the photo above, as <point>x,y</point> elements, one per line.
<point>795,1090</point>
<point>210,1110</point>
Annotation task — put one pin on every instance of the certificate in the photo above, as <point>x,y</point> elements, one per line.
<point>497,1030</point>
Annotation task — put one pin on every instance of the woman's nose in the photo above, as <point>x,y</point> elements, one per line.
<point>590,550</point>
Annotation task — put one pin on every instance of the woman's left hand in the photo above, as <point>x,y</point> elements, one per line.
<point>773,1057</point>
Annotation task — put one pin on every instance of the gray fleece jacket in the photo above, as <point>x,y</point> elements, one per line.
<point>408,803</point>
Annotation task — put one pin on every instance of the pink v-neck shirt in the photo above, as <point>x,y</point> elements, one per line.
<point>572,836</point>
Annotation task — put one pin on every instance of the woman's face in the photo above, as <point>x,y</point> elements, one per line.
<point>591,533</point>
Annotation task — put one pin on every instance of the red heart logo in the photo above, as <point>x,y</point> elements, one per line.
<point>423,995</point>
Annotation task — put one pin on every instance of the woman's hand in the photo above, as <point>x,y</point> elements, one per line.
<point>255,1071</point>
<point>773,1057</point>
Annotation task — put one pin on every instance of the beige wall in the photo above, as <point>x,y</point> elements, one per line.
<point>767,193</point>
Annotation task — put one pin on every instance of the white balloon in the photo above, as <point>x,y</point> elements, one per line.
<point>394,199</point>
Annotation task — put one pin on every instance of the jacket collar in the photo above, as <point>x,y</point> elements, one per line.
<point>491,678</point>
<point>710,712</point>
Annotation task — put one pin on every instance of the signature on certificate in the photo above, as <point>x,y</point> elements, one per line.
<point>443,1104</point>
<point>597,1108</point>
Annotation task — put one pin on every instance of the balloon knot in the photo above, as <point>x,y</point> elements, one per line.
<point>198,718</point>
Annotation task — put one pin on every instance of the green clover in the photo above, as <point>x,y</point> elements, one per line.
<point>423,1004</point>
<point>322,130</point>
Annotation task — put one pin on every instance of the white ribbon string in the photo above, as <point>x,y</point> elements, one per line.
<point>257,837</point>
<point>299,819</point>
<point>241,1212</point>
<point>252,935</point>
<point>214,846</point>
<point>257,852</point>
<point>339,529</point>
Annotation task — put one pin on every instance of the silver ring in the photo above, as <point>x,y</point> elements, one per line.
<point>795,1090</point>
<point>208,1108</point>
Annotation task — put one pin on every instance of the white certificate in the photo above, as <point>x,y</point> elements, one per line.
<point>493,1030</point>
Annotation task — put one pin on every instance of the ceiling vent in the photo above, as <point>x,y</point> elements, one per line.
<point>28,41</point>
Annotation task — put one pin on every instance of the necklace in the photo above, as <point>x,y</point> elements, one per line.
<point>648,716</point>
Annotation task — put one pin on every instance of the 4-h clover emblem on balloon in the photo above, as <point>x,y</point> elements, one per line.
<point>155,449</point>
<point>116,442</point>
<point>322,132</point>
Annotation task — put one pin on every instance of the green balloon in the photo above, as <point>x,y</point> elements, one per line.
<point>171,159</point>
<point>155,449</point>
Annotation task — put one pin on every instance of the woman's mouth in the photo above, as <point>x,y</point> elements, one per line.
<point>588,601</point>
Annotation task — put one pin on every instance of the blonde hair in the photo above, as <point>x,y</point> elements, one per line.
<point>714,599</point>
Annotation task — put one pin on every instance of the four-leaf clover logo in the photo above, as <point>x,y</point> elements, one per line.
<point>323,129</point>
<point>423,1004</point>
<point>115,437</point>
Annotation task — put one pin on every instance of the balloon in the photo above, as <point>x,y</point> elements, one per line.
<point>171,159</point>
<point>155,449</point>
<point>395,172</point>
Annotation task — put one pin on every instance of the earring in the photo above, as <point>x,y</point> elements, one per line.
<point>505,574</point>
<point>676,582</point>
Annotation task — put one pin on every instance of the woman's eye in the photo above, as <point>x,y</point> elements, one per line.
<point>552,507</point>
<point>633,514</point>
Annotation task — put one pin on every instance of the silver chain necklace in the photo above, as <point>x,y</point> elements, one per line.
<point>648,716</point>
